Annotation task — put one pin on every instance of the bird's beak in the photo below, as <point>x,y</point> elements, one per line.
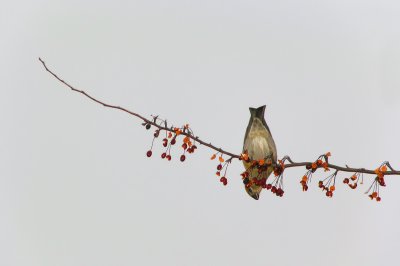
<point>255,196</point>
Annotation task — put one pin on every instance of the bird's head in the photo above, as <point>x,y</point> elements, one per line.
<point>254,191</point>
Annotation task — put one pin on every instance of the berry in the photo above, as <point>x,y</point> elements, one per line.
<point>183,157</point>
<point>219,167</point>
<point>184,146</point>
<point>320,184</point>
<point>269,186</point>
<point>148,126</point>
<point>346,180</point>
<point>165,142</point>
<point>246,181</point>
<point>163,155</point>
<point>173,141</point>
<point>149,153</point>
<point>378,198</point>
<point>169,157</point>
<point>273,189</point>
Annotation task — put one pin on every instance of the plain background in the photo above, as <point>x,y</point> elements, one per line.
<point>76,187</point>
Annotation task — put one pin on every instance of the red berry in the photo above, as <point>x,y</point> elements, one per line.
<point>169,157</point>
<point>378,198</point>
<point>173,141</point>
<point>346,180</point>
<point>219,167</point>
<point>183,157</point>
<point>184,146</point>
<point>269,186</point>
<point>163,155</point>
<point>320,184</point>
<point>149,153</point>
<point>273,189</point>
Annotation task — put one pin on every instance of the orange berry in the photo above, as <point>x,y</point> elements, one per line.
<point>221,160</point>
<point>384,168</point>
<point>261,162</point>
<point>213,156</point>
<point>374,194</point>
<point>332,188</point>
<point>353,177</point>
<point>314,166</point>
<point>304,178</point>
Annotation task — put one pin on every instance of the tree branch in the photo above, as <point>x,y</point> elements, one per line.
<point>197,139</point>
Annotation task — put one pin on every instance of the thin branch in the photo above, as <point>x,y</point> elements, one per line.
<point>197,139</point>
<point>147,121</point>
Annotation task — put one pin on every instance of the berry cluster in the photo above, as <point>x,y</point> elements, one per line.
<point>276,185</point>
<point>258,172</point>
<point>305,180</point>
<point>328,184</point>
<point>378,182</point>
<point>222,166</point>
<point>170,140</point>
<point>353,181</point>
<point>321,162</point>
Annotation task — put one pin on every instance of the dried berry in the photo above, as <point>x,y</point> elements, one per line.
<point>183,157</point>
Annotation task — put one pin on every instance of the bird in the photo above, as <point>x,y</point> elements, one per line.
<point>259,145</point>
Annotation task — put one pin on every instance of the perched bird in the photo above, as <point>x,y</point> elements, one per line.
<point>259,145</point>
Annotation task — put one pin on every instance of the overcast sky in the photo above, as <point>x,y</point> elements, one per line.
<point>76,187</point>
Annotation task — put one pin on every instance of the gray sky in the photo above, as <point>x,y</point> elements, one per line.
<point>76,186</point>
